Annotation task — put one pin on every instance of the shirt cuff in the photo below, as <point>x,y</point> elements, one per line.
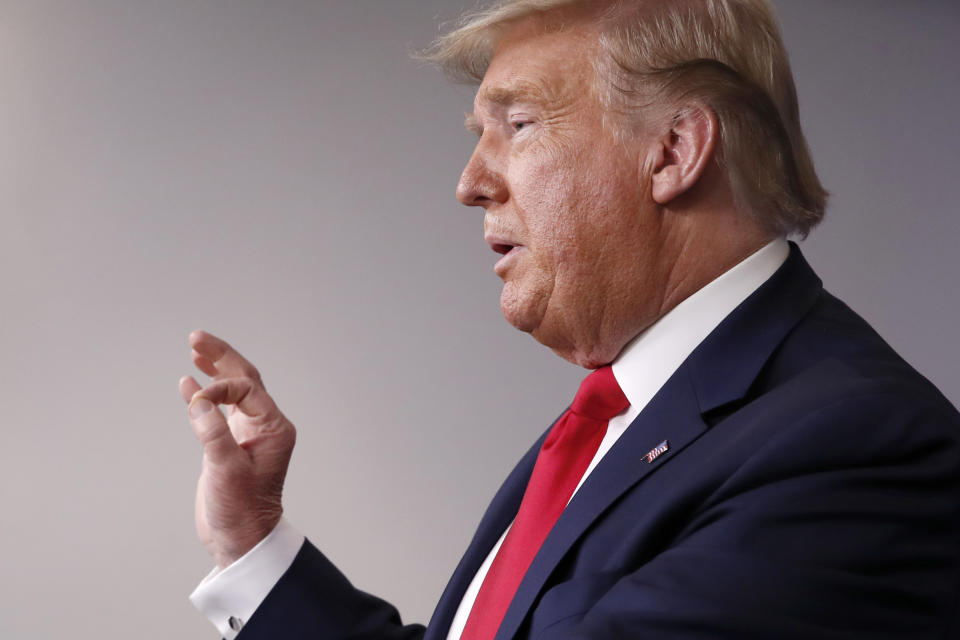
<point>228,597</point>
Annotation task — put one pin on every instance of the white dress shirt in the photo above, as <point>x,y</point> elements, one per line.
<point>231,596</point>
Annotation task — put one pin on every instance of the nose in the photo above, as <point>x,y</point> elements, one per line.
<point>480,185</point>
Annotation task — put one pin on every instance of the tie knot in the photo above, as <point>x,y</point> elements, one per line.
<point>599,396</point>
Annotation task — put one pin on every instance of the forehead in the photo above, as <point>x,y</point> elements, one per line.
<point>533,64</point>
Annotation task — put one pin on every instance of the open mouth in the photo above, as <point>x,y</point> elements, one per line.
<point>503,244</point>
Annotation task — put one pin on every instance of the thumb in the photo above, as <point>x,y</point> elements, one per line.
<point>212,430</point>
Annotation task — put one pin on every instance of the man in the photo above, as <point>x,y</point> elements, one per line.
<point>756,463</point>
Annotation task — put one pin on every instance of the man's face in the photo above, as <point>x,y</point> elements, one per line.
<point>566,204</point>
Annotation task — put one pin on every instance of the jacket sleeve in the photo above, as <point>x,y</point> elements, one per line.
<point>314,600</point>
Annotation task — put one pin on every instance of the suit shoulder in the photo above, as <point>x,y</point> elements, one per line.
<point>834,357</point>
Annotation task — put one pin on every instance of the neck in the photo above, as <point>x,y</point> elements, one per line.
<point>692,260</point>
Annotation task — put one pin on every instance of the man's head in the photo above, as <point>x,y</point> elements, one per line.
<point>629,152</point>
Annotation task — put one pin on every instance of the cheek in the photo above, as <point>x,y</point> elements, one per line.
<point>567,197</point>
<point>549,204</point>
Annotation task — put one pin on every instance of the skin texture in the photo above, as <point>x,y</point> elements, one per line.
<point>603,238</point>
<point>611,236</point>
<point>245,454</point>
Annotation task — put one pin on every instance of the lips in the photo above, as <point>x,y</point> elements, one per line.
<point>507,247</point>
<point>501,244</point>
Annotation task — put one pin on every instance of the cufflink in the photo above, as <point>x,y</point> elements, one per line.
<point>235,623</point>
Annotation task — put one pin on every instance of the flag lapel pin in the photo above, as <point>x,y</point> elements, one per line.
<point>657,451</point>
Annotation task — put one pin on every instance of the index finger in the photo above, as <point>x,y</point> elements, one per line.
<point>218,359</point>
<point>246,394</point>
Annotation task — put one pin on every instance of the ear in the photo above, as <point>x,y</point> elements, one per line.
<point>684,152</point>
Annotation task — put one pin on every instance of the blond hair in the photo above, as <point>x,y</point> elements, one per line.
<point>727,54</point>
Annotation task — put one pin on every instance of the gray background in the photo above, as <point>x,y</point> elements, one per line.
<point>282,174</point>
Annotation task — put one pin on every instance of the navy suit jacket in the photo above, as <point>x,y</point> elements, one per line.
<point>811,489</point>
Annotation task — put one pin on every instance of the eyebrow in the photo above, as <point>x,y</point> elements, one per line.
<point>518,91</point>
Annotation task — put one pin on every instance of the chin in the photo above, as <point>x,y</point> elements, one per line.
<point>528,314</point>
<point>524,302</point>
<point>517,314</point>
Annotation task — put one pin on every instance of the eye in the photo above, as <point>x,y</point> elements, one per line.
<point>520,124</point>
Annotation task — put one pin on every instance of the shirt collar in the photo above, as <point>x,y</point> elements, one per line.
<point>649,360</point>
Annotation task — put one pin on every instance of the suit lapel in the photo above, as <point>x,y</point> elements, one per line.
<point>728,361</point>
<point>720,371</point>
<point>672,415</point>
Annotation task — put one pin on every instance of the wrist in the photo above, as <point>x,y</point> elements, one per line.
<point>232,546</point>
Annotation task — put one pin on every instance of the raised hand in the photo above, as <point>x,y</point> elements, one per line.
<point>245,455</point>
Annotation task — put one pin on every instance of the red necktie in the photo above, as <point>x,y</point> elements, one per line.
<point>564,457</point>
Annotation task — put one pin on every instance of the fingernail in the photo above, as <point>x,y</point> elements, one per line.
<point>199,407</point>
